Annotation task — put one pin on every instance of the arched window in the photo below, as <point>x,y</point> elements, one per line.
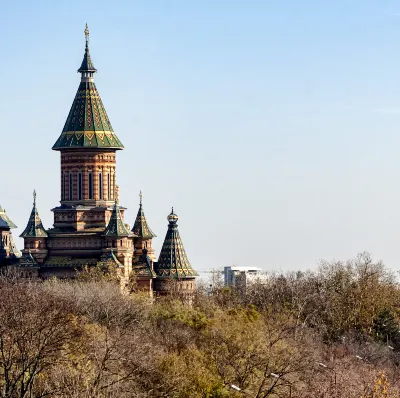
<point>64,193</point>
<point>70,186</point>
<point>109,186</point>
<point>90,186</point>
<point>79,186</point>
<point>100,186</point>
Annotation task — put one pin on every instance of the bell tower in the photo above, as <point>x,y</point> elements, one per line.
<point>88,148</point>
<point>88,190</point>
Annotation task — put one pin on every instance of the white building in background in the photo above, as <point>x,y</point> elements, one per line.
<point>243,276</point>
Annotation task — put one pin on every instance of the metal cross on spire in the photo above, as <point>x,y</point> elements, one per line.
<point>34,197</point>
<point>87,33</point>
<point>141,197</point>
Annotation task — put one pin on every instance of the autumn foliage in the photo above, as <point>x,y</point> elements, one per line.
<point>329,333</point>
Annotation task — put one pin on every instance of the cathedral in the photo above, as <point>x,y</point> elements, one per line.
<point>89,228</point>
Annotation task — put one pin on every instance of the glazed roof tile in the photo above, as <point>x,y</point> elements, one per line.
<point>141,227</point>
<point>110,258</point>
<point>144,267</point>
<point>116,226</point>
<point>34,228</point>
<point>173,261</point>
<point>87,124</point>
<point>69,262</point>
<point>27,260</point>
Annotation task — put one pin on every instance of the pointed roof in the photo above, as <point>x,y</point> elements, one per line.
<point>173,261</point>
<point>27,260</point>
<point>109,259</point>
<point>5,222</point>
<point>140,227</point>
<point>34,228</point>
<point>116,226</point>
<point>87,124</point>
<point>143,267</point>
<point>87,64</point>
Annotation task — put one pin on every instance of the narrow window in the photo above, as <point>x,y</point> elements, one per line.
<point>90,186</point>
<point>80,186</point>
<point>100,186</point>
<point>109,186</point>
<point>63,194</point>
<point>70,186</point>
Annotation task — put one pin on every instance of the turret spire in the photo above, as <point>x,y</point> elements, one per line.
<point>173,261</point>
<point>116,226</point>
<point>34,227</point>
<point>87,68</point>
<point>140,227</point>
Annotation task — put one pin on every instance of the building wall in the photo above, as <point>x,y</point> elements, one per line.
<point>79,168</point>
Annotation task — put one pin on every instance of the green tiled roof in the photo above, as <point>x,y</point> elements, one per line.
<point>173,261</point>
<point>116,226</point>
<point>34,228</point>
<point>69,262</point>
<point>5,222</point>
<point>27,260</point>
<point>87,124</point>
<point>87,64</point>
<point>109,259</point>
<point>140,227</point>
<point>143,266</point>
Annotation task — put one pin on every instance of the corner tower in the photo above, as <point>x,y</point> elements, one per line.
<point>144,235</point>
<point>173,264</point>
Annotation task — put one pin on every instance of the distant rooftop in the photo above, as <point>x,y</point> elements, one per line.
<point>238,268</point>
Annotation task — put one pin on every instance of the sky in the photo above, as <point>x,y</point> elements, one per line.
<point>272,127</point>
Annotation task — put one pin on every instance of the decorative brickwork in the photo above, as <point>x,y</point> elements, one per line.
<point>89,227</point>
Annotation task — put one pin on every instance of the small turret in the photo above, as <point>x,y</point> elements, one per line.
<point>34,228</point>
<point>173,263</point>
<point>144,273</point>
<point>8,251</point>
<point>144,235</point>
<point>119,240</point>
<point>116,227</point>
<point>35,235</point>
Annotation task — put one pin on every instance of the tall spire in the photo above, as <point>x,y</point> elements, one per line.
<point>140,227</point>
<point>87,64</point>
<point>87,124</point>
<point>34,228</point>
<point>173,261</point>
<point>116,226</point>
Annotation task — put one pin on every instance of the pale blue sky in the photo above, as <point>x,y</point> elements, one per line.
<point>272,127</point>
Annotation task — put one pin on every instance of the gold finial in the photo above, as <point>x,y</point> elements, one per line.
<point>141,197</point>
<point>34,197</point>
<point>87,33</point>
